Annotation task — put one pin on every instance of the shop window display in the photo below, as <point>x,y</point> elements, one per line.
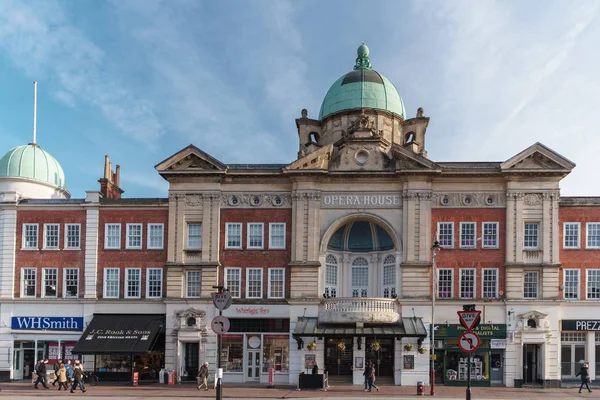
<point>232,353</point>
<point>457,367</point>
<point>275,353</point>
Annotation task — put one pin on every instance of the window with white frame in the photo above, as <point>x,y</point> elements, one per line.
<point>531,235</point>
<point>133,283</point>
<point>50,282</point>
<point>490,283</point>
<point>445,283</point>
<point>389,276</point>
<point>233,236</point>
<point>446,234</point>
<point>467,235</point>
<point>233,281</point>
<point>194,236</point>
<point>192,283</point>
<point>51,235</point>
<point>277,236</point>
<point>156,233</point>
<point>28,282</point>
<point>112,236</point>
<point>71,282</point>
<point>593,235</point>
<point>490,235</point>
<point>111,283</point>
<point>467,283</point>
<point>360,277</point>
<point>593,284</point>
<point>276,283</point>
<point>255,235</point>
<point>73,236</point>
<point>530,285</point>
<point>154,283</point>
<point>331,276</point>
<point>30,236</point>
<point>134,236</point>
<point>254,283</point>
<point>571,235</point>
<point>571,290</point>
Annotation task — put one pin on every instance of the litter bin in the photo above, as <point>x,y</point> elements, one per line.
<point>420,388</point>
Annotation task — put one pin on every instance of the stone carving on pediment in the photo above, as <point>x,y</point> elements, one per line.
<point>193,200</point>
<point>263,200</point>
<point>532,199</point>
<point>362,123</point>
<point>337,122</point>
<point>458,199</point>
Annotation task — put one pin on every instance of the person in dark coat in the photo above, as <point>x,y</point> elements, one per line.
<point>77,378</point>
<point>371,377</point>
<point>203,376</point>
<point>583,372</point>
<point>366,375</point>
<point>41,374</point>
<point>56,368</point>
<point>315,369</point>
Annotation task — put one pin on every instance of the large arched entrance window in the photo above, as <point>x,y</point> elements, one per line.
<point>360,277</point>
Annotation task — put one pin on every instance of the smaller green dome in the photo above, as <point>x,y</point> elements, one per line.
<point>30,161</point>
<point>363,50</point>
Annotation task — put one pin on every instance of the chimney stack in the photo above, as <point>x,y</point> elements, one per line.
<point>109,184</point>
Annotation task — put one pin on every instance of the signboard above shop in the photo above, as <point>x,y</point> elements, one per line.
<point>47,323</point>
<point>485,331</point>
<point>581,324</point>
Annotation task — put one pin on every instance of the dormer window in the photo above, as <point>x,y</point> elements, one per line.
<point>313,138</point>
<point>531,323</point>
<point>410,137</point>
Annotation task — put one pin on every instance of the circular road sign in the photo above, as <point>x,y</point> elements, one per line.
<point>220,325</point>
<point>469,342</point>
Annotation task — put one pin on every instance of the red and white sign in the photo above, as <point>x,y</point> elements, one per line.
<point>469,319</point>
<point>222,300</point>
<point>469,342</point>
<point>55,353</point>
<point>220,324</point>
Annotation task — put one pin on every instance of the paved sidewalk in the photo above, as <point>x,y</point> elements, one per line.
<point>25,391</point>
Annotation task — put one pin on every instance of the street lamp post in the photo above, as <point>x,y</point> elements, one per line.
<point>435,249</point>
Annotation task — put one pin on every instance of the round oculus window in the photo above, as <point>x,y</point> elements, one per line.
<point>361,157</point>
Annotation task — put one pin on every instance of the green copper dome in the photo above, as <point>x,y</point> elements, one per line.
<point>30,161</point>
<point>362,88</point>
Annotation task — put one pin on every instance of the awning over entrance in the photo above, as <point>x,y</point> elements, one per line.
<point>406,327</point>
<point>120,333</point>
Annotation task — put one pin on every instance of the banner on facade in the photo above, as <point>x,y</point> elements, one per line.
<point>486,331</point>
<point>47,323</point>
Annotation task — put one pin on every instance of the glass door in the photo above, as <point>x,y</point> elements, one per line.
<point>253,363</point>
<point>191,361</point>
<point>18,364</point>
<point>571,355</point>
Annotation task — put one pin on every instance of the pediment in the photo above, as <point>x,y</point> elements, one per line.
<point>537,158</point>
<point>317,160</point>
<point>191,159</point>
<point>406,160</point>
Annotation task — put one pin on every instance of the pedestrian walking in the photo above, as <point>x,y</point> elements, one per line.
<point>77,377</point>
<point>585,377</point>
<point>56,368</point>
<point>203,376</point>
<point>367,365</point>
<point>69,368</point>
<point>372,378</point>
<point>41,371</point>
<point>61,377</point>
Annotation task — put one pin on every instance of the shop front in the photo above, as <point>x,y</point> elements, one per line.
<point>123,345</point>
<point>579,343</point>
<point>487,362</point>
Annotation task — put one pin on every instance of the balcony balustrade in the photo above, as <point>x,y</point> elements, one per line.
<point>358,309</point>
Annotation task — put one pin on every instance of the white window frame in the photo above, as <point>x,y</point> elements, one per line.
<point>484,294</point>
<point>260,291</point>
<point>587,234</point>
<point>46,236</point>
<point>66,273</point>
<point>567,225</point>
<point>249,234</point>
<point>236,293</point>
<point>537,235</point>
<point>388,289</point>
<point>587,283</point>
<point>129,236</point>
<point>474,282</point>
<point>67,237</point>
<point>24,243</point>
<point>105,283</point>
<point>150,237</point>
<point>271,245</point>
<point>439,229</point>
<point>107,227</point>
<point>187,283</point>
<point>23,286</point>
<point>438,286</point>
<point>127,282</point>
<point>228,227</point>
<point>496,235</point>
<point>578,283</point>
<point>271,272</point>
<point>474,245</point>
<point>149,281</point>
<point>189,236</point>
<point>360,289</point>
<point>537,282</point>
<point>45,280</point>
<point>331,288</point>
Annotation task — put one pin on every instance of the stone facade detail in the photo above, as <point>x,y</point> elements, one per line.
<point>468,199</point>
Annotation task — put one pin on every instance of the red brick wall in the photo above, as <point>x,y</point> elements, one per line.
<point>479,257</point>
<point>131,258</point>
<point>250,258</point>
<point>581,258</point>
<point>40,259</point>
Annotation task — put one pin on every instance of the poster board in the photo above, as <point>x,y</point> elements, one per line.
<point>310,360</point>
<point>409,362</point>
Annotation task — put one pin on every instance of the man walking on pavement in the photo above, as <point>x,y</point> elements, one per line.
<point>203,376</point>
<point>41,374</point>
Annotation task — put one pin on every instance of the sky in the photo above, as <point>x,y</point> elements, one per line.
<point>139,80</point>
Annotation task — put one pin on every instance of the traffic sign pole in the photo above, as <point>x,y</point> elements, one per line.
<point>221,303</point>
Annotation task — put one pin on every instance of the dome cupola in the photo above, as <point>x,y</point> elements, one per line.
<point>31,162</point>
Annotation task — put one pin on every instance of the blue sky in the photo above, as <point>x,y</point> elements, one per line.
<point>139,80</point>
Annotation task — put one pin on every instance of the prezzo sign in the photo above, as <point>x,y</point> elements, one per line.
<point>581,325</point>
<point>48,323</point>
<point>353,200</point>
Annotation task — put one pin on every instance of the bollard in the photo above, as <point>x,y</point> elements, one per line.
<point>420,388</point>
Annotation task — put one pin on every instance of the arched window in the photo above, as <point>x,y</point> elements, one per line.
<point>313,137</point>
<point>331,276</point>
<point>409,138</point>
<point>360,277</point>
<point>191,322</point>
<point>531,323</point>
<point>389,276</point>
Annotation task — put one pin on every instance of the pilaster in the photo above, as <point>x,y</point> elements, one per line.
<point>92,221</point>
<point>8,243</point>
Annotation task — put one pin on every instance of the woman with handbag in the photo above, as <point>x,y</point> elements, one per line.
<point>585,377</point>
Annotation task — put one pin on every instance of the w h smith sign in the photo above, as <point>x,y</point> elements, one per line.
<point>48,323</point>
